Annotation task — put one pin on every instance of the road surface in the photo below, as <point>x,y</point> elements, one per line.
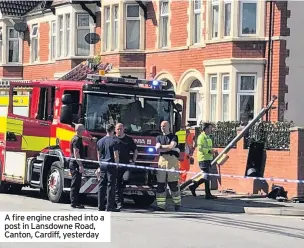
<point>135,228</point>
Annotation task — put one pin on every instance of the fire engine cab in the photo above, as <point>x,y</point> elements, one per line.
<point>35,144</point>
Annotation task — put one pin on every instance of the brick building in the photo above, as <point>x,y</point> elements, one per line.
<point>215,52</point>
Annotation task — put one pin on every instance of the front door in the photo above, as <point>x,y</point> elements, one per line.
<point>26,137</point>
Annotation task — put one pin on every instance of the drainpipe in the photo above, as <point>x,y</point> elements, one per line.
<point>268,91</point>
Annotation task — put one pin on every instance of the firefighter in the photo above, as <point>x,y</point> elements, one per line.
<point>76,167</point>
<point>166,145</point>
<point>187,138</point>
<point>205,154</point>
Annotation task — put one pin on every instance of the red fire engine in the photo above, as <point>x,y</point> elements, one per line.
<point>34,144</point>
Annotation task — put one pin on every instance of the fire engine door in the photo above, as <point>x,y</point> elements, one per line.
<point>26,137</point>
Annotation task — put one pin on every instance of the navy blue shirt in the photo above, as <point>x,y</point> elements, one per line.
<point>106,147</point>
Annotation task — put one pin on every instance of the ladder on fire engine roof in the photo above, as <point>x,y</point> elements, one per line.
<point>80,72</point>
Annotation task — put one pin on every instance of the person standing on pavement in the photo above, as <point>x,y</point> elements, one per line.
<point>76,166</point>
<point>166,145</point>
<point>205,154</point>
<point>126,145</point>
<point>107,152</point>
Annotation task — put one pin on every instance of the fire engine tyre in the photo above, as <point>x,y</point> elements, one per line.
<point>3,186</point>
<point>143,201</point>
<point>55,183</point>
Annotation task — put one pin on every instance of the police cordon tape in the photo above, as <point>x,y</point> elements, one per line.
<point>182,171</point>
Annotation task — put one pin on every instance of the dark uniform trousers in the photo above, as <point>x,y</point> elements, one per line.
<point>75,185</point>
<point>119,199</point>
<point>205,167</point>
<point>107,183</point>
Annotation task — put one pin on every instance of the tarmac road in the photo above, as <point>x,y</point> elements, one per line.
<point>135,228</point>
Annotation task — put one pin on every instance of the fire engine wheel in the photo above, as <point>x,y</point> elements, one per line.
<point>55,184</point>
<point>4,187</point>
<point>144,200</point>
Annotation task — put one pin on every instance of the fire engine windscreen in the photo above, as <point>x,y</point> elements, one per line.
<point>140,116</point>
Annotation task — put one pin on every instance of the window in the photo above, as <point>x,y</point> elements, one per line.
<point>1,45</point>
<point>213,99</point>
<point>107,24</point>
<point>248,17</point>
<point>60,45</point>
<point>246,97</point>
<point>133,26</point>
<point>68,34</point>
<point>215,18</point>
<point>225,97</point>
<point>115,27</point>
<point>53,40</point>
<point>164,23</point>
<point>194,100</point>
<point>227,18</point>
<point>13,46</point>
<point>197,21</point>
<point>83,28</point>
<point>34,41</point>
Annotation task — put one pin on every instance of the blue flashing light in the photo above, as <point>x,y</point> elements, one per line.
<point>150,149</point>
<point>155,83</point>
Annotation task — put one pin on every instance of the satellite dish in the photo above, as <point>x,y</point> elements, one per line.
<point>92,38</point>
<point>20,27</point>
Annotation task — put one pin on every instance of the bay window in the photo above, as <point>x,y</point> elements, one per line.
<point>13,46</point>
<point>246,97</point>
<point>225,97</point>
<point>213,97</point>
<point>215,18</point>
<point>34,43</point>
<point>107,25</point>
<point>227,17</point>
<point>132,26</point>
<point>197,21</point>
<point>164,24</point>
<point>115,27</point>
<point>83,28</point>
<point>248,17</point>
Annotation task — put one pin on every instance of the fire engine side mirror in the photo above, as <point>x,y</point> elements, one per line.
<point>66,115</point>
<point>178,107</point>
<point>67,99</point>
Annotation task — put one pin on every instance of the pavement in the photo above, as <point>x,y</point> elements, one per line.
<point>190,228</point>
<point>233,203</point>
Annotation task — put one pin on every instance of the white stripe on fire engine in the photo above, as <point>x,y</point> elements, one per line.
<point>87,184</point>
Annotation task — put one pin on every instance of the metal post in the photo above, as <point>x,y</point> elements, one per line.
<point>234,141</point>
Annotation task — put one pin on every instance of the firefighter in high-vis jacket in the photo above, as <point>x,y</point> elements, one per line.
<point>205,154</point>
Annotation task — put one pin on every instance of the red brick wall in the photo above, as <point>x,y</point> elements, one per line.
<point>279,164</point>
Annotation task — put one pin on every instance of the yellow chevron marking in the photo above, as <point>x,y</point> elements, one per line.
<point>14,126</point>
<point>34,143</point>
<point>64,134</point>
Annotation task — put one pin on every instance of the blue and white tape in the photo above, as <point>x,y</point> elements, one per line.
<point>205,175</point>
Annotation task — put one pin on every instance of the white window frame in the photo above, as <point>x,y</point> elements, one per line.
<point>196,91</point>
<point>224,20</point>
<point>215,3</point>
<point>213,92</point>
<point>53,43</point>
<point>82,28</point>
<point>60,50</point>
<point>245,92</point>
<point>195,13</point>
<point>133,19</point>
<point>162,17</point>
<point>35,36</point>
<point>115,41</point>
<point>107,28</point>
<point>67,24</point>
<point>241,17</point>
<point>225,92</point>
<point>19,46</point>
